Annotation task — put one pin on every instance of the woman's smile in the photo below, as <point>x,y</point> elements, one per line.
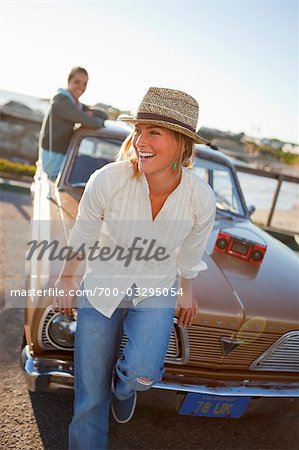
<point>145,156</point>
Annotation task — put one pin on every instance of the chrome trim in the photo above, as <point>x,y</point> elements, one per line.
<point>250,389</point>
<point>45,374</point>
<point>185,349</point>
<point>41,328</point>
<point>287,362</point>
<point>228,344</point>
<point>38,371</point>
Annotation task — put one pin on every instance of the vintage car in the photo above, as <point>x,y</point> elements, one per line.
<point>244,345</point>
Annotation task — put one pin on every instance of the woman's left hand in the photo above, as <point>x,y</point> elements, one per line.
<point>186,315</point>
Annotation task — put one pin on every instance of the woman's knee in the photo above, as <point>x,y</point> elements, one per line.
<point>143,383</point>
<point>140,377</point>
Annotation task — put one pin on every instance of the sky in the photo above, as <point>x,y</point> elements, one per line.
<point>238,58</point>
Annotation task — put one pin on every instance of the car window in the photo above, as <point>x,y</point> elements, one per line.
<point>221,180</point>
<point>93,153</point>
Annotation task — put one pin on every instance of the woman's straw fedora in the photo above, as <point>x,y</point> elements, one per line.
<point>168,108</point>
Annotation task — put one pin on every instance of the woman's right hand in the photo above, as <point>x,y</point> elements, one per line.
<point>65,302</point>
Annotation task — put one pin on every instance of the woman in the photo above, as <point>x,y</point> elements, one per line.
<point>151,217</point>
<point>58,124</point>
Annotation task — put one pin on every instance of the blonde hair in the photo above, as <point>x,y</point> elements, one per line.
<point>184,158</point>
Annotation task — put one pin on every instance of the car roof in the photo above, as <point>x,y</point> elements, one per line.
<point>119,127</point>
<point>215,155</point>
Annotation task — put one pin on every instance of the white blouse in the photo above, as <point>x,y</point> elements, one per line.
<point>124,245</point>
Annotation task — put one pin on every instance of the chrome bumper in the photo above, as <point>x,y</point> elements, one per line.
<point>44,374</point>
<point>237,389</point>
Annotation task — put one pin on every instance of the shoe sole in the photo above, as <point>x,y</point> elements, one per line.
<point>130,416</point>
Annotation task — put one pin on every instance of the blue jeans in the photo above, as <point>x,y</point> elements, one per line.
<point>52,162</point>
<point>148,327</point>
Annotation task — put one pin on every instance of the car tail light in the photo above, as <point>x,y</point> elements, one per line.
<point>241,248</point>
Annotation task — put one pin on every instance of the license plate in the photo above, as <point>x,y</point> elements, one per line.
<point>213,405</point>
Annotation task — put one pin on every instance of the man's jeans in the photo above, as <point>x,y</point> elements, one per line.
<point>52,162</point>
<point>148,328</point>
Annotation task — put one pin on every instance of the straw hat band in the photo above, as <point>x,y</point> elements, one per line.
<point>170,109</point>
<point>148,116</point>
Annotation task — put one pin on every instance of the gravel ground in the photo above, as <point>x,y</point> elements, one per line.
<point>32,421</point>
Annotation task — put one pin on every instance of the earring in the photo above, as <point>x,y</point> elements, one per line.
<point>174,165</point>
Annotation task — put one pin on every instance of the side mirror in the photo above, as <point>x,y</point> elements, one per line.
<point>251,209</point>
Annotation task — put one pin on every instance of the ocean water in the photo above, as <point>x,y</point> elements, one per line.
<point>259,191</point>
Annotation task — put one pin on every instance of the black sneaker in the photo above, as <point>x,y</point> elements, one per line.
<point>122,410</point>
